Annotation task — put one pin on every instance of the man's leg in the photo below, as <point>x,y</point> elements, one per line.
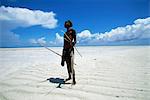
<point>72,68</point>
<point>63,57</point>
<point>68,60</point>
<point>62,61</point>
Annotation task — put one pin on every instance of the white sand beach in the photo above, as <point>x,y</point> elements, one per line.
<point>103,73</point>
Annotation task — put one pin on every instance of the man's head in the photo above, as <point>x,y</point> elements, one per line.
<point>68,24</point>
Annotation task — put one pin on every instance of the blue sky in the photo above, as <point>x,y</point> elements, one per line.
<point>91,18</point>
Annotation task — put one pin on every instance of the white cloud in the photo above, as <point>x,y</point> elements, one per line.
<point>37,41</point>
<point>139,30</point>
<point>85,34</point>
<point>41,40</point>
<point>33,41</point>
<point>58,40</point>
<point>14,17</point>
<point>26,17</point>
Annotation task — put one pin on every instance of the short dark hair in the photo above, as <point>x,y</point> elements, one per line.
<point>70,23</point>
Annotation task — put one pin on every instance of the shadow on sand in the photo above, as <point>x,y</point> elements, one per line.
<point>58,81</point>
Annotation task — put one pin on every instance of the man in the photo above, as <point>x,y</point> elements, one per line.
<point>68,50</point>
